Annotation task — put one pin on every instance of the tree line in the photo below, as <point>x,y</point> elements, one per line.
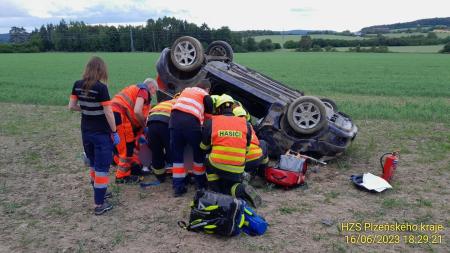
<point>307,43</point>
<point>155,35</point>
<point>421,24</point>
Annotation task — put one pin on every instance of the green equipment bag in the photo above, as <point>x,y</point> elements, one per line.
<point>215,213</point>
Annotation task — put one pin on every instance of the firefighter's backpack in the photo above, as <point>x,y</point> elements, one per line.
<point>215,213</point>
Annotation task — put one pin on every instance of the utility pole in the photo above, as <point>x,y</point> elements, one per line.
<point>131,41</point>
<point>142,39</point>
<point>154,42</point>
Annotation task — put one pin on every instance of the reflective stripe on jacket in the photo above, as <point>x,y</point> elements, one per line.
<point>229,143</point>
<point>255,152</point>
<point>191,101</point>
<point>163,109</point>
<point>126,100</point>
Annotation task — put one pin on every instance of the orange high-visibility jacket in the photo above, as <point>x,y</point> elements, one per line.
<point>228,143</point>
<point>255,151</point>
<point>126,99</point>
<point>164,108</point>
<point>191,101</point>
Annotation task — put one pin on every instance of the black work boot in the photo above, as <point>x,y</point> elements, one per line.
<point>103,208</point>
<point>161,178</point>
<point>248,193</point>
<point>200,182</point>
<point>179,191</point>
<point>132,179</point>
<point>214,186</point>
<point>136,169</point>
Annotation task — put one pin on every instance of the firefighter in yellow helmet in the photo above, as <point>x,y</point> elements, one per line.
<point>226,138</point>
<point>256,157</point>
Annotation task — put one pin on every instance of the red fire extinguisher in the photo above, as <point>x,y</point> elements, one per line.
<point>389,165</point>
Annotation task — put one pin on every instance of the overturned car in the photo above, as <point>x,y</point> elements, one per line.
<point>282,116</point>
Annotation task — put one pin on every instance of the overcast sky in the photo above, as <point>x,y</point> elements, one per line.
<point>237,14</point>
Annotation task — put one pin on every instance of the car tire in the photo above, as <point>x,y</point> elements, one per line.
<point>187,53</point>
<point>330,104</point>
<point>307,115</point>
<point>173,79</point>
<point>220,48</point>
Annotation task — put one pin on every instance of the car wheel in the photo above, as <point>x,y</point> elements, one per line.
<point>329,103</point>
<point>220,48</point>
<point>187,53</point>
<point>175,80</point>
<point>307,115</point>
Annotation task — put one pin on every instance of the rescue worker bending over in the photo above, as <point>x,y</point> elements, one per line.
<point>227,138</point>
<point>186,119</point>
<point>256,157</point>
<point>130,107</point>
<point>158,137</point>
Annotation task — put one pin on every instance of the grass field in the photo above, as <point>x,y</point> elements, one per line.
<point>404,34</point>
<point>396,100</point>
<point>283,38</point>
<point>420,81</point>
<point>407,49</point>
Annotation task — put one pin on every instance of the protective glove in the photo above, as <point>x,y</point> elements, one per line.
<point>116,138</point>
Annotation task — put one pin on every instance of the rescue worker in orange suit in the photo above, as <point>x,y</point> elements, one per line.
<point>131,107</point>
<point>158,137</point>
<point>186,119</point>
<point>256,158</point>
<point>227,138</point>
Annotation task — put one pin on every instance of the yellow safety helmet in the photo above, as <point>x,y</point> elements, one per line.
<point>239,111</point>
<point>224,98</point>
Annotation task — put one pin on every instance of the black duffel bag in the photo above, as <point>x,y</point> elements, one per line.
<point>215,213</point>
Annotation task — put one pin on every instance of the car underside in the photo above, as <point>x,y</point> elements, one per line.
<point>282,116</point>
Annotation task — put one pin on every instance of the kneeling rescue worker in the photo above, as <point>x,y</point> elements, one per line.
<point>186,119</point>
<point>227,138</point>
<point>130,107</point>
<point>256,157</point>
<point>158,137</point>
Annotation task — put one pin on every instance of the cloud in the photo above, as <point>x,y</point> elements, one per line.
<point>301,10</point>
<point>94,14</point>
<point>101,14</point>
<point>11,10</point>
<point>236,14</point>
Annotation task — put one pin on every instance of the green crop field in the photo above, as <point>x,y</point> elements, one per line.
<point>416,49</point>
<point>405,34</point>
<point>397,82</point>
<point>283,38</point>
<point>407,49</point>
<point>398,101</point>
